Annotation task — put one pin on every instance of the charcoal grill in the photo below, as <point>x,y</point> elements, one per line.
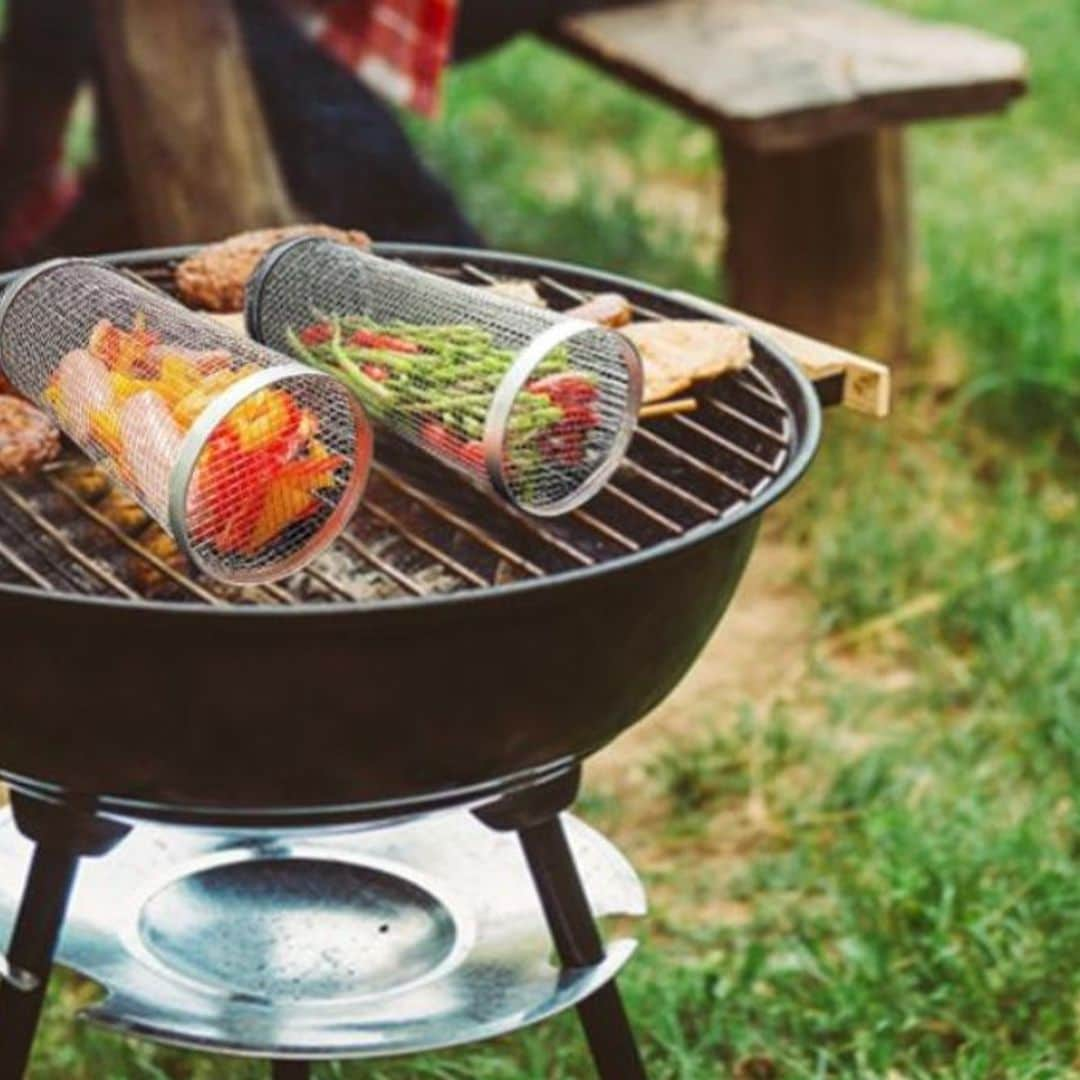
<point>447,650</point>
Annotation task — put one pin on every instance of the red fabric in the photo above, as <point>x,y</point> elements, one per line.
<point>41,206</point>
<point>398,47</point>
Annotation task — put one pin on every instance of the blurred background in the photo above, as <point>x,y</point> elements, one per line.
<point>864,859</point>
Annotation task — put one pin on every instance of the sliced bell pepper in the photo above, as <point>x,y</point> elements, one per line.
<point>123,350</point>
<point>268,420</point>
<point>124,386</point>
<point>229,488</point>
<point>286,502</point>
<point>316,334</point>
<point>193,403</point>
<point>177,377</point>
<point>472,454</point>
<point>370,339</point>
<point>314,472</point>
<point>566,388</point>
<point>290,495</point>
<point>105,431</point>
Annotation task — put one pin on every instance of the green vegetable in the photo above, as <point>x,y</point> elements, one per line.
<point>437,383</point>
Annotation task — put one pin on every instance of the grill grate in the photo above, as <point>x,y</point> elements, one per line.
<point>422,531</point>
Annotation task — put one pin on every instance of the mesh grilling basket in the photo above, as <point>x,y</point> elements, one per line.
<point>251,461</point>
<point>538,407</point>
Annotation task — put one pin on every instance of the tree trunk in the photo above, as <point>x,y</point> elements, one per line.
<point>196,149</point>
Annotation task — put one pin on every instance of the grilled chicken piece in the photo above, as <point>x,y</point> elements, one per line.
<point>87,481</point>
<point>214,278</point>
<point>609,309</point>
<point>147,577</point>
<point>28,438</point>
<point>676,353</point>
<point>124,513</point>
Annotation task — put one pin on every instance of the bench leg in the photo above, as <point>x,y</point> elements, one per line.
<point>818,239</point>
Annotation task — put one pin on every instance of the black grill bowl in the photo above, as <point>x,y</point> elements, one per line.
<point>368,710</point>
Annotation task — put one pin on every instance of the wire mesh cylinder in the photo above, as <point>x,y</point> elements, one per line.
<point>251,461</point>
<point>538,407</point>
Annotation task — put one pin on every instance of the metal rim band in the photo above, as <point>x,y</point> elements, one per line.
<point>206,423</point>
<point>260,275</point>
<point>513,382</point>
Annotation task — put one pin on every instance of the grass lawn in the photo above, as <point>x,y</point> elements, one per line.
<point>911,880</point>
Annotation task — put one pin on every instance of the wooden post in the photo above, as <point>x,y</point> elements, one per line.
<point>818,239</point>
<point>197,153</point>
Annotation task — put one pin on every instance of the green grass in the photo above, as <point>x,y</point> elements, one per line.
<point>1001,225</point>
<point>913,897</point>
<point>548,157</point>
<point>996,197</point>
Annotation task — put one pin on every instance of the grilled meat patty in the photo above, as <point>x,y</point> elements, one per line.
<point>676,353</point>
<point>28,438</point>
<point>214,278</point>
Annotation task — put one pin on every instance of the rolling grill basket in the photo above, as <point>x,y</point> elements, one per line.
<point>539,408</point>
<point>251,461</point>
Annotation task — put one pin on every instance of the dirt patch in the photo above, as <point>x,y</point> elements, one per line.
<point>762,640</point>
<point>757,654</point>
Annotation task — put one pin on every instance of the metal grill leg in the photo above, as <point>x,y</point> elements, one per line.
<point>290,1070</point>
<point>62,837</point>
<point>578,943</point>
<point>534,815</point>
<point>30,954</point>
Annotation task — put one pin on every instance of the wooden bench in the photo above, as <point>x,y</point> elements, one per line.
<point>809,99</point>
<point>196,104</point>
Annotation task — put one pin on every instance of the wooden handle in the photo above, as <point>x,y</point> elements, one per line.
<point>866,382</point>
<point>667,408</point>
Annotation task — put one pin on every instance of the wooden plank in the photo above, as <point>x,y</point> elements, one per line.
<point>671,407</point>
<point>867,383</point>
<point>783,74</point>
<point>198,156</point>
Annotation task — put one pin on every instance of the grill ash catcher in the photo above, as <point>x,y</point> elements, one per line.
<point>536,407</point>
<point>252,464</point>
<point>386,941</point>
<point>275,868</point>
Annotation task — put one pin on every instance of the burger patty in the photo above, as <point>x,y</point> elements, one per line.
<point>214,277</point>
<point>28,438</point>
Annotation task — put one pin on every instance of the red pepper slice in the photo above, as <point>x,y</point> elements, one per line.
<point>472,454</point>
<point>376,372</point>
<point>440,438</point>
<point>229,491</point>
<point>578,417</point>
<point>316,334</point>
<point>370,339</point>
<point>565,388</point>
<point>311,468</point>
